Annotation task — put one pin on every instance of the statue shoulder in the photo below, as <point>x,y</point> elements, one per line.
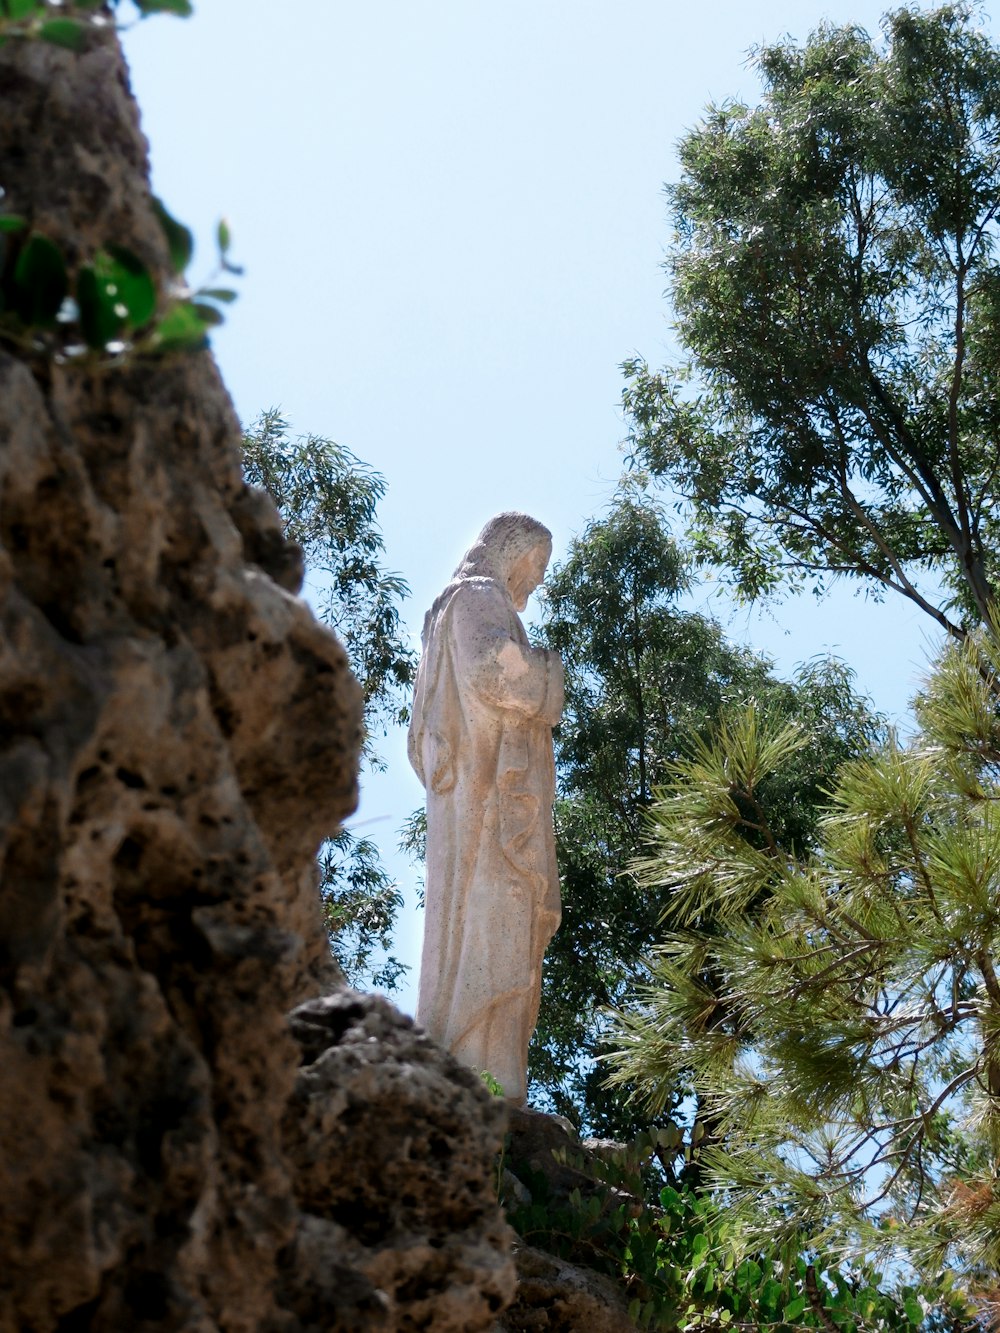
<point>481,603</point>
<point>478,590</point>
<point>474,598</point>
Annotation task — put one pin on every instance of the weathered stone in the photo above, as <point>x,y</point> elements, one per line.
<point>557,1294</point>
<point>177,734</point>
<point>541,1144</point>
<point>484,707</point>
<point>414,1215</point>
<point>554,1296</point>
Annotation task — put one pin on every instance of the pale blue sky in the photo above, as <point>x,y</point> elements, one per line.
<point>452,222</point>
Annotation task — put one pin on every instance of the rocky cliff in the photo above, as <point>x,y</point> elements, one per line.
<point>177,735</point>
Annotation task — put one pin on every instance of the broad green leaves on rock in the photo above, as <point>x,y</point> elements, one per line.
<point>40,282</point>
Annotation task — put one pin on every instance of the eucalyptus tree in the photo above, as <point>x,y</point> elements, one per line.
<point>328,499</point>
<point>836,285</point>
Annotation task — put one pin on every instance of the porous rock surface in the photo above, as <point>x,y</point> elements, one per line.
<point>177,734</point>
<point>555,1295</point>
<point>413,1218</point>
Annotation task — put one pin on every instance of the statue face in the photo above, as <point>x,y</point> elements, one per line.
<point>527,574</point>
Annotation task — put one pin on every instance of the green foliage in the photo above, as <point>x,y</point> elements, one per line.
<point>182,8</point>
<point>836,285</point>
<point>360,902</point>
<point>114,289</point>
<point>39,282</point>
<point>494,1088</point>
<point>327,499</point>
<point>180,242</point>
<point>110,308</point>
<point>838,1012</point>
<point>603,1225</point>
<point>684,1263</point>
<point>70,33</point>
<point>106,306</point>
<point>641,675</point>
<point>22,20</point>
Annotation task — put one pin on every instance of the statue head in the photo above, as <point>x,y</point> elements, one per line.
<point>513,549</point>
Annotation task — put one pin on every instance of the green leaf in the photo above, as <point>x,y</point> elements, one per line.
<point>116,288</point>
<point>136,289</point>
<point>224,294</point>
<point>770,1294</point>
<point>793,1309</point>
<point>748,1274</point>
<point>12,222</point>
<point>181,329</point>
<point>670,1199</point>
<point>70,33</point>
<point>179,239</point>
<point>914,1311</point>
<point>182,8</point>
<point>224,237</point>
<point>209,314</point>
<point>20,9</point>
<point>40,282</point>
<point>100,323</point>
<point>669,1136</point>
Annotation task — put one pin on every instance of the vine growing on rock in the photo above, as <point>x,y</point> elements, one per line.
<point>108,308</point>
<point>682,1262</point>
<point>72,23</point>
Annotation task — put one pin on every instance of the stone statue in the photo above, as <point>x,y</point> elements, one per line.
<point>480,740</point>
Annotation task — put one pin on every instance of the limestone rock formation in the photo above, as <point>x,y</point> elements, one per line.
<point>555,1296</point>
<point>413,1217</point>
<point>177,734</point>
<point>560,1294</point>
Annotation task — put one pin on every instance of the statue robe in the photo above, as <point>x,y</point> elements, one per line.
<point>481,742</point>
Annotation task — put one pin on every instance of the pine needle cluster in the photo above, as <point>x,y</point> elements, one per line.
<point>838,1012</point>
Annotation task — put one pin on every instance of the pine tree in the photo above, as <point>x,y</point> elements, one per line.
<point>838,1012</point>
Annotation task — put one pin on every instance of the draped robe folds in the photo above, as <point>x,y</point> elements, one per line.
<point>481,743</point>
